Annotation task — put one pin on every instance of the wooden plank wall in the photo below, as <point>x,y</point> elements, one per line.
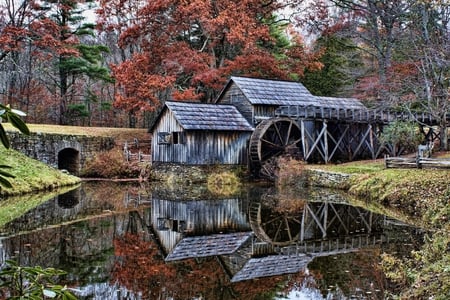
<point>235,97</point>
<point>201,217</point>
<point>199,147</point>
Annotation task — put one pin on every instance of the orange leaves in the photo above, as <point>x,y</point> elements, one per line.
<point>140,266</point>
<point>190,45</point>
<point>10,38</point>
<point>138,84</point>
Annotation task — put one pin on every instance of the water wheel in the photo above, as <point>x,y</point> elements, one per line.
<point>271,139</point>
<point>278,229</point>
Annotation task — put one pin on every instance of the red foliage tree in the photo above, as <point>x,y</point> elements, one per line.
<point>141,268</point>
<point>187,49</point>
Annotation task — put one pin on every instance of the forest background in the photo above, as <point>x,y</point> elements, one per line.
<point>114,62</point>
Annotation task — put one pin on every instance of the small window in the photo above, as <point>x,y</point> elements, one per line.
<point>235,98</point>
<point>164,137</point>
<point>178,137</point>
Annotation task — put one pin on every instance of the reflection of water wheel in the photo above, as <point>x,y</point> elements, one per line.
<point>271,139</point>
<point>276,228</point>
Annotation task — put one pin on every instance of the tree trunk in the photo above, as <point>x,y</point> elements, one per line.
<point>444,136</point>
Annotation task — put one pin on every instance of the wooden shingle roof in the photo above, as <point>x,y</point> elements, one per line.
<point>271,266</point>
<point>210,245</point>
<point>200,116</point>
<point>272,92</point>
<point>334,102</point>
<point>278,92</point>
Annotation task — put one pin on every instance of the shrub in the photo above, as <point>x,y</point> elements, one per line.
<point>224,183</point>
<point>112,164</point>
<point>19,282</point>
<point>291,173</point>
<point>400,136</point>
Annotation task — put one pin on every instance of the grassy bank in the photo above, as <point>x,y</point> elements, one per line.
<point>419,193</point>
<point>422,196</point>
<point>118,133</point>
<point>31,175</point>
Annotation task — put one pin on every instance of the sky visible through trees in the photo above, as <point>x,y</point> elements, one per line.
<point>113,63</point>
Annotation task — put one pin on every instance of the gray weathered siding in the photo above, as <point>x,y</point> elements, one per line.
<point>199,147</point>
<point>253,113</point>
<point>200,217</point>
<point>262,112</point>
<point>235,97</point>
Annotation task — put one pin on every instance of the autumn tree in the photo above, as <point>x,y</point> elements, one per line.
<point>73,57</point>
<point>429,52</point>
<point>187,50</point>
<point>374,25</point>
<point>14,36</point>
<point>46,56</point>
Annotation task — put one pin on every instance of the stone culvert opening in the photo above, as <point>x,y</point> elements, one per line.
<point>69,159</point>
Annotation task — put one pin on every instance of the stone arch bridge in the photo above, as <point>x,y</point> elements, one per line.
<point>61,151</point>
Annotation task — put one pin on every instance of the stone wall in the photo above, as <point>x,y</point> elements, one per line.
<point>59,150</point>
<point>321,178</point>
<point>190,174</point>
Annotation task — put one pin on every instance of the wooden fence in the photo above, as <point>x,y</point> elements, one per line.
<point>132,150</point>
<point>416,162</point>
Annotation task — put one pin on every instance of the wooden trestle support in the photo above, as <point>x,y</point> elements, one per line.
<point>316,221</point>
<point>323,135</point>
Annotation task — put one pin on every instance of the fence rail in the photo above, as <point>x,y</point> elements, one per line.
<point>139,156</point>
<point>416,162</point>
<point>131,150</point>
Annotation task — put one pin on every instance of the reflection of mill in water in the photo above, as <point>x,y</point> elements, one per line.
<point>252,240</point>
<point>295,238</point>
<point>325,223</point>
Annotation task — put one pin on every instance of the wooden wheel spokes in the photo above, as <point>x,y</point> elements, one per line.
<point>272,138</point>
<point>282,229</point>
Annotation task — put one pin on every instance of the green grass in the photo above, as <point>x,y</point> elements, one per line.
<point>358,167</point>
<point>31,175</point>
<point>15,206</point>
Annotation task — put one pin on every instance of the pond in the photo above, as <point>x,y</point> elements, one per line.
<point>129,241</point>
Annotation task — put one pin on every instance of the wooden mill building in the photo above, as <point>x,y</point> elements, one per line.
<point>200,134</point>
<point>258,99</point>
<point>253,121</point>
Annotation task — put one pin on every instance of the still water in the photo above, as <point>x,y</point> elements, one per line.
<point>128,241</point>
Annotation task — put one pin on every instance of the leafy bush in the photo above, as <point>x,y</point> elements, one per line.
<point>224,183</point>
<point>17,282</point>
<point>291,173</point>
<point>400,136</point>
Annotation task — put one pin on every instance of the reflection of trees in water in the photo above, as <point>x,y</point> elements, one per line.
<point>88,200</point>
<point>140,267</point>
<point>357,273</point>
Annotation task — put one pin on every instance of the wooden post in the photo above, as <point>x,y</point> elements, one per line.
<point>325,141</point>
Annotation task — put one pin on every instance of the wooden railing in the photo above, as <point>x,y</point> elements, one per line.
<point>416,162</point>
<point>132,150</point>
<point>354,115</point>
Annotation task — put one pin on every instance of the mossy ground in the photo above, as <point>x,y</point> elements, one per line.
<point>422,196</point>
<point>31,175</point>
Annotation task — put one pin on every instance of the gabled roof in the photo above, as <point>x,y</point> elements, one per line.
<point>271,266</point>
<point>271,92</point>
<point>200,116</point>
<point>209,245</point>
<point>279,92</point>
